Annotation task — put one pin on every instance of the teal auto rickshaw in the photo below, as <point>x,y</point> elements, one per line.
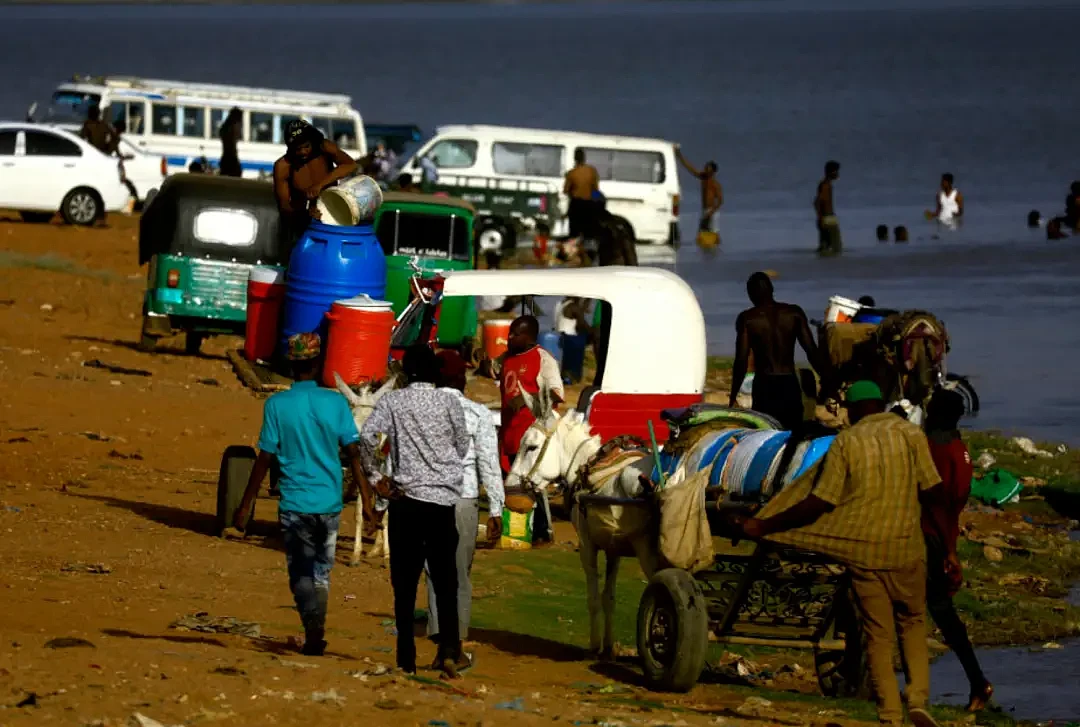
<point>420,234</point>
<point>201,235</point>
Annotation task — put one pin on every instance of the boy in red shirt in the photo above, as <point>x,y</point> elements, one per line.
<point>953,463</point>
<point>527,367</point>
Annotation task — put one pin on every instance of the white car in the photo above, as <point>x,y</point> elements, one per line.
<point>145,171</point>
<point>44,169</point>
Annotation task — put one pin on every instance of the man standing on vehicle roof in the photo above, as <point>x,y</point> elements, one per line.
<point>311,164</point>
<point>581,185</point>
<point>712,194</point>
<point>529,368</point>
<point>770,330</point>
<point>305,428</point>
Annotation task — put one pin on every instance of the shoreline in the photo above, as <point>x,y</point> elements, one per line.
<point>108,490</point>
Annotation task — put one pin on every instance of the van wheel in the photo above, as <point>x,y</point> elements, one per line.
<point>37,218</point>
<point>492,237</point>
<point>81,206</point>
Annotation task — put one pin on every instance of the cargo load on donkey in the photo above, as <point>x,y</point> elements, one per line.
<point>905,353</point>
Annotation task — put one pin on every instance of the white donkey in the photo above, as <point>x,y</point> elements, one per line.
<point>362,404</point>
<point>556,447</point>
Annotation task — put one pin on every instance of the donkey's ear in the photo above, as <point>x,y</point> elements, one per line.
<point>531,402</point>
<point>387,387</point>
<point>349,394</point>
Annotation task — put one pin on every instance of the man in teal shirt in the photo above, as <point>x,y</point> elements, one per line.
<point>305,428</point>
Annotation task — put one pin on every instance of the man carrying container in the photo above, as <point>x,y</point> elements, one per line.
<point>862,506</point>
<point>305,429</point>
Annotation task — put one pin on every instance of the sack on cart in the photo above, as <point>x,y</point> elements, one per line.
<point>685,538</point>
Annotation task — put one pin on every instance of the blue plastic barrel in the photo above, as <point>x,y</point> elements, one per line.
<point>573,356</point>
<point>330,262</point>
<point>549,341</point>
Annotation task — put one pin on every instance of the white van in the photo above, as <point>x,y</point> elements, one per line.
<point>639,177</point>
<point>180,121</point>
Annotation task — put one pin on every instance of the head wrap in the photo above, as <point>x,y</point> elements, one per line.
<point>304,346</point>
<point>863,391</point>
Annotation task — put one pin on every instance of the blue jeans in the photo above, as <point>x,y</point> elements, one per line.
<point>310,542</point>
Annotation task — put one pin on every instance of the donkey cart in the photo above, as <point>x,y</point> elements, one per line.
<point>773,597</point>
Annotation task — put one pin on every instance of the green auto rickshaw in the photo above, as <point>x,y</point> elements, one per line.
<point>435,232</point>
<point>201,235</point>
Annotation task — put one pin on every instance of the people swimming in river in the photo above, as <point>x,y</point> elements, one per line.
<point>827,225</point>
<point>311,164</point>
<point>770,329</point>
<point>900,234</point>
<point>950,204</point>
<point>882,233</point>
<point>1034,219</point>
<point>1072,208</point>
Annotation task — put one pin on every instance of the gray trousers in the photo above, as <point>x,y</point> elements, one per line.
<point>467,514</point>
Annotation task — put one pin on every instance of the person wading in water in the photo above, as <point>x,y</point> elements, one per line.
<point>770,330</point>
<point>311,164</point>
<point>712,195</point>
<point>827,224</point>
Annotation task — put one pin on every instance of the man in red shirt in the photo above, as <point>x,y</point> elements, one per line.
<point>529,368</point>
<point>953,463</point>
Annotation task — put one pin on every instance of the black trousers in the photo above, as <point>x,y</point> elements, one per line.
<point>940,605</point>
<point>779,396</point>
<point>419,532</point>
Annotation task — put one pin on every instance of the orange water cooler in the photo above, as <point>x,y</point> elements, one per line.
<point>358,340</point>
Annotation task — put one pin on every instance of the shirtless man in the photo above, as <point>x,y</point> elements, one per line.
<point>827,224</point>
<point>581,182</point>
<point>311,164</point>
<point>712,195</point>
<point>770,330</point>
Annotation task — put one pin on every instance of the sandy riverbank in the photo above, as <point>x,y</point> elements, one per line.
<point>107,487</point>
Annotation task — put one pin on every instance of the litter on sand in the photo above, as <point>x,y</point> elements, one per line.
<point>205,623</point>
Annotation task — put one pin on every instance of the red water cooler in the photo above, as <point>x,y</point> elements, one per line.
<point>359,340</point>
<point>265,296</point>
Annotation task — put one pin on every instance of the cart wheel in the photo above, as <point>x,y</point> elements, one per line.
<point>843,673</point>
<point>236,464</point>
<point>672,631</point>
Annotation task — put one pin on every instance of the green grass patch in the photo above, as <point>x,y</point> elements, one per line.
<point>538,597</point>
<point>719,363</point>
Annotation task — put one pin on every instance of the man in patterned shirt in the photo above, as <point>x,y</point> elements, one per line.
<point>428,442</point>
<point>481,465</point>
<point>862,507</point>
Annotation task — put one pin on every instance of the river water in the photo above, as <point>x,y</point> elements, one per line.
<point>899,94</point>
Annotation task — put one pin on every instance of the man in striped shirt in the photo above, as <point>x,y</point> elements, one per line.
<point>863,506</point>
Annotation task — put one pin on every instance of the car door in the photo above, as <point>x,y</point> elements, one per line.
<point>10,187</point>
<point>52,167</point>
